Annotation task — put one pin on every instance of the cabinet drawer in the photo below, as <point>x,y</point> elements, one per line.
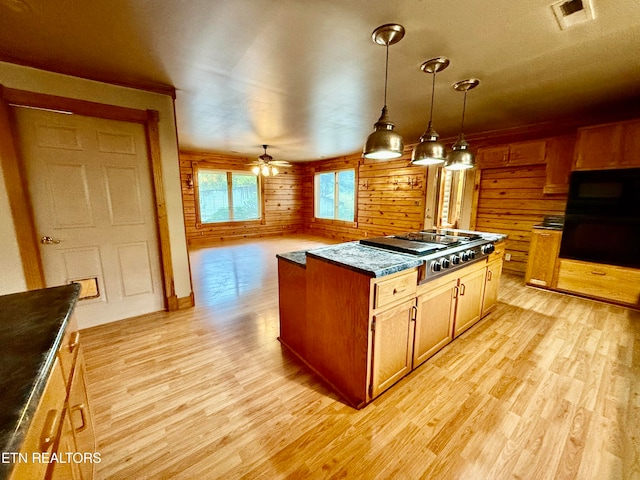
<point>387,291</point>
<point>609,282</point>
<point>69,347</point>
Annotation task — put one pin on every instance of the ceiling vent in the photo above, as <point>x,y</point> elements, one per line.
<point>572,12</point>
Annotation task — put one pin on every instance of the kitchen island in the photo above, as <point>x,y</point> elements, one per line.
<point>44,411</point>
<point>363,317</point>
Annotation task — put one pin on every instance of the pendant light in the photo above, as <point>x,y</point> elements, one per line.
<point>430,151</point>
<point>384,143</point>
<point>461,158</point>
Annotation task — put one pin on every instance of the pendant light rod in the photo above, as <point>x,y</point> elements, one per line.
<point>386,74</point>
<point>465,86</point>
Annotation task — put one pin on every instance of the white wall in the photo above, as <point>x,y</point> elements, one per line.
<point>30,79</point>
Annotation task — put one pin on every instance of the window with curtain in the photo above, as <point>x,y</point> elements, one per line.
<point>227,196</point>
<point>335,195</point>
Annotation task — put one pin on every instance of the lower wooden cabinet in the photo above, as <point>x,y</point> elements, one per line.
<point>392,352</point>
<point>435,317</point>
<point>491,285</point>
<point>61,433</point>
<point>543,256</point>
<point>607,282</point>
<point>469,299</point>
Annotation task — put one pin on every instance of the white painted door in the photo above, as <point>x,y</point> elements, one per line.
<point>90,185</point>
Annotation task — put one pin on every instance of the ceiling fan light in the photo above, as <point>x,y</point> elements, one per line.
<point>256,170</point>
<point>460,157</point>
<point>430,151</point>
<point>265,171</point>
<point>383,143</point>
<point>274,171</point>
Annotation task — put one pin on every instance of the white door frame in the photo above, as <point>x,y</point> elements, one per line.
<point>20,203</point>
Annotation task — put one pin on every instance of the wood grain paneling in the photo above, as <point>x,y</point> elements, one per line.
<point>283,201</point>
<point>511,201</point>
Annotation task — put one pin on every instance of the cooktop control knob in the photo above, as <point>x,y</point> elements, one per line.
<point>472,254</point>
<point>445,263</point>
<point>435,266</point>
<point>464,256</point>
<point>487,249</point>
<point>455,259</point>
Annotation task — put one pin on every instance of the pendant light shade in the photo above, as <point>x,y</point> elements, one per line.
<point>384,143</point>
<point>430,151</point>
<point>460,157</point>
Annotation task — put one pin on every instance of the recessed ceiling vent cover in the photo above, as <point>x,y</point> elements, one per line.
<point>572,12</point>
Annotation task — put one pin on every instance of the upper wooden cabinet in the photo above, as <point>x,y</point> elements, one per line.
<point>559,157</point>
<point>514,154</point>
<point>613,145</point>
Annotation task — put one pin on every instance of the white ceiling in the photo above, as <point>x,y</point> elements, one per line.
<point>305,77</point>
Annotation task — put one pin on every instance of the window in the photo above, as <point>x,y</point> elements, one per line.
<point>335,195</point>
<point>452,192</point>
<point>227,196</point>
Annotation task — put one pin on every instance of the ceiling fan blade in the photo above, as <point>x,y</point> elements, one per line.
<point>280,163</point>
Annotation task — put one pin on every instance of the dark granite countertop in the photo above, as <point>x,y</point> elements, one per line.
<point>32,325</point>
<point>371,261</point>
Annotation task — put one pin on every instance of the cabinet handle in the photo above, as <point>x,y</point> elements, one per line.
<point>81,408</point>
<point>489,275</point>
<point>544,234</point>
<point>596,272</point>
<point>75,341</point>
<point>50,430</point>
<point>462,289</point>
<point>455,291</point>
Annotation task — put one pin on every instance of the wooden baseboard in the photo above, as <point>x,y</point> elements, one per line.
<point>186,302</point>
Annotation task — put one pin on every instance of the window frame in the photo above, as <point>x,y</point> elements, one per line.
<point>229,173</point>
<point>335,171</point>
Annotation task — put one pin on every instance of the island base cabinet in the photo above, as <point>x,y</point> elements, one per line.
<point>491,286</point>
<point>470,292</point>
<point>434,321</point>
<point>392,345</point>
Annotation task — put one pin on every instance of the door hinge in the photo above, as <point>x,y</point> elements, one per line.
<point>370,390</point>
<point>373,325</point>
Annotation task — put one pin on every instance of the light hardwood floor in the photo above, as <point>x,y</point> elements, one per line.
<point>545,387</point>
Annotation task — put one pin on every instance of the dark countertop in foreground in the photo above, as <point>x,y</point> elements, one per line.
<point>32,325</point>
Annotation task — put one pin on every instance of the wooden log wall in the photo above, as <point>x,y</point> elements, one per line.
<point>390,198</point>
<point>283,200</point>
<point>511,201</point>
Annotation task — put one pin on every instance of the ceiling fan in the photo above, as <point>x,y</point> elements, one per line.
<point>267,165</point>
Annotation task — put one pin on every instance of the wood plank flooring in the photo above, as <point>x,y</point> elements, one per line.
<point>545,387</point>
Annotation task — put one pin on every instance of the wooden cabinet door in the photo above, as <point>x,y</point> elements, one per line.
<point>470,293</point>
<point>492,283</point>
<point>80,416</point>
<point>527,153</point>
<point>492,157</point>
<point>66,470</point>
<point>434,321</point>
<point>559,158</point>
<point>543,254</point>
<point>598,147</point>
<point>392,346</point>
<point>630,145</point>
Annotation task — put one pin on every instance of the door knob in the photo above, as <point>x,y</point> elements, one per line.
<point>49,240</point>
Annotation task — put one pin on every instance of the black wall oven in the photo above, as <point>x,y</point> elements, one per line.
<point>602,221</point>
